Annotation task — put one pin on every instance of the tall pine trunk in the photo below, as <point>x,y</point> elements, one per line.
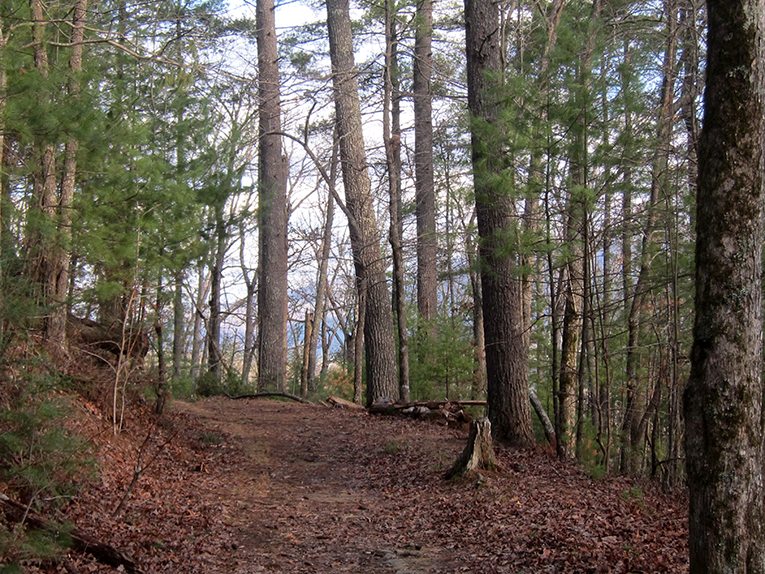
<point>392,137</point>
<point>427,247</point>
<point>272,211</point>
<point>379,343</point>
<point>506,352</point>
<point>49,253</point>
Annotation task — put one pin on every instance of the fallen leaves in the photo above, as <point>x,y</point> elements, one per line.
<point>293,488</point>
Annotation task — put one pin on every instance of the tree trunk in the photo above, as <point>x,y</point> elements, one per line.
<point>633,427</point>
<point>724,396</point>
<point>249,313</point>
<point>690,36</point>
<point>272,211</point>
<point>214,358</point>
<point>506,355</point>
<point>160,343</point>
<point>49,257</point>
<point>427,246</point>
<point>4,206</point>
<point>57,329</point>
<point>576,220</point>
<point>392,137</point>
<point>379,343</point>
<point>478,453</point>
<point>358,343</point>
<point>179,327</point>
<point>308,329</point>
<point>321,279</point>
<point>197,341</point>
<point>547,425</point>
<point>478,387</point>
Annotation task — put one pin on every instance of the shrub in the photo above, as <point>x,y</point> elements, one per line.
<point>209,385</point>
<point>40,462</point>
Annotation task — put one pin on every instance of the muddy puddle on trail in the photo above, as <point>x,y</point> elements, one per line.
<point>327,490</point>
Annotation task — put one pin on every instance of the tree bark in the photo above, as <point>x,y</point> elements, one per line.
<point>478,453</point>
<point>249,313</point>
<point>308,329</point>
<point>358,342</point>
<point>3,174</point>
<point>214,358</point>
<point>179,325</point>
<point>197,341</point>
<point>379,343</point>
<point>506,354</point>
<point>49,258</point>
<point>478,387</point>
<point>272,211</point>
<point>634,418</point>
<point>321,279</point>
<point>576,221</point>
<point>427,246</point>
<point>724,397</point>
<point>392,137</point>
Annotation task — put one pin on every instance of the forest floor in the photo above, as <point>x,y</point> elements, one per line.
<point>251,486</point>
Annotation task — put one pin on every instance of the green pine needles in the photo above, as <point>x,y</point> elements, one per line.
<point>40,463</point>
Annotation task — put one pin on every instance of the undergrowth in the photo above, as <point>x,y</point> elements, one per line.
<point>41,461</point>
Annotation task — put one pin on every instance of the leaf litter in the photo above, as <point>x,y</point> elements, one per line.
<point>263,486</point>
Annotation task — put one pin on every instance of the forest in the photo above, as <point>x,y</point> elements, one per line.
<point>382,201</point>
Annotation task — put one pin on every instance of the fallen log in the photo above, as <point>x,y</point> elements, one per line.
<point>104,553</point>
<point>111,338</point>
<point>268,395</point>
<point>342,403</point>
<point>449,412</point>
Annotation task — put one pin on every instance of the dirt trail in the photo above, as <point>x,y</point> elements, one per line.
<point>307,489</point>
<point>320,490</point>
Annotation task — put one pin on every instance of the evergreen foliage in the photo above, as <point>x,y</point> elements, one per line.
<point>41,461</point>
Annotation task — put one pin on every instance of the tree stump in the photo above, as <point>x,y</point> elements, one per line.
<point>479,452</point>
